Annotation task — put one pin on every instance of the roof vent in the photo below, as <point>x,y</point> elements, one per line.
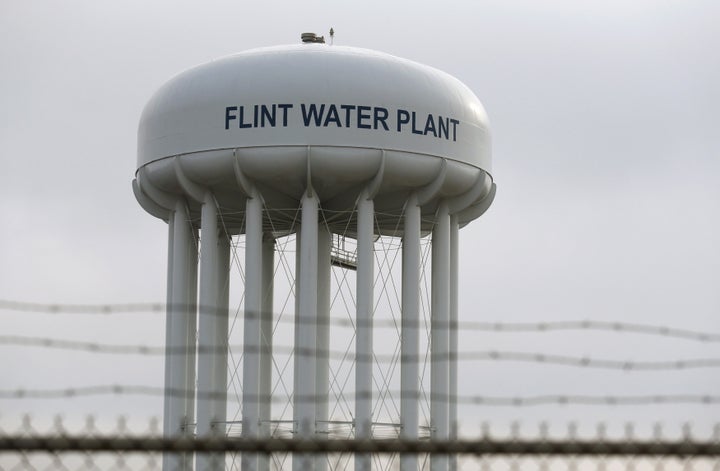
<point>312,38</point>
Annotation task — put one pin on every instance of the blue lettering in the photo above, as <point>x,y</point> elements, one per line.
<point>266,114</point>
<point>403,117</point>
<point>361,116</point>
<point>228,116</point>
<point>348,109</point>
<point>285,107</point>
<point>414,130</point>
<point>454,122</point>
<point>444,127</point>
<point>311,113</point>
<point>332,116</point>
<point>430,126</point>
<point>325,115</point>
<point>379,116</point>
<point>241,120</point>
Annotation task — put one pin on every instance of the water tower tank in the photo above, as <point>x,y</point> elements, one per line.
<point>311,140</point>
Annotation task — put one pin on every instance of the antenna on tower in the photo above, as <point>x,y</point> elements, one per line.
<point>332,35</point>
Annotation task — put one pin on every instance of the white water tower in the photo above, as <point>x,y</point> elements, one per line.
<point>315,146</point>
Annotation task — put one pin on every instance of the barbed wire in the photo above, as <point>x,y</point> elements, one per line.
<point>507,327</point>
<point>55,308</point>
<point>548,399</point>
<point>607,326</point>
<point>146,444</point>
<point>490,355</point>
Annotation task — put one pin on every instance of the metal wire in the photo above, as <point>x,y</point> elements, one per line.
<point>490,355</point>
<point>512,401</point>
<point>497,327</point>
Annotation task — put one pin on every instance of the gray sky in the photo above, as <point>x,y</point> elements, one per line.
<point>606,155</point>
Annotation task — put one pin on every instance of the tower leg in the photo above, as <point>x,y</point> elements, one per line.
<point>266,344</point>
<point>222,333</point>
<point>322,376</point>
<point>440,336</point>
<point>211,387</point>
<point>410,330</point>
<point>453,347</point>
<point>364,326</point>
<point>180,335</point>
<point>305,329</point>
<point>251,331</point>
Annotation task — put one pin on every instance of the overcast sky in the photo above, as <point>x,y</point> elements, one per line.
<point>606,153</point>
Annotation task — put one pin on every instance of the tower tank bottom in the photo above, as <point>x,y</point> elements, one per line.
<point>337,174</point>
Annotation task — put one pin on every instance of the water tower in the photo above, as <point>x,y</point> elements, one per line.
<point>320,145</point>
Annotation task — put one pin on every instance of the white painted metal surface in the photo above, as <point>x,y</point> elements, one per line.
<point>453,340</point>
<point>279,112</point>
<point>440,336</point>
<point>322,371</point>
<point>266,343</point>
<point>251,330</point>
<point>256,98</point>
<point>208,405</point>
<point>221,335</point>
<point>410,330</point>
<point>306,329</point>
<point>179,404</point>
<point>364,324</point>
<point>401,149</point>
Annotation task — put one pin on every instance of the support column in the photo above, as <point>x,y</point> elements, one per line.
<point>221,340</point>
<point>439,335</point>
<point>208,400</point>
<point>322,373</point>
<point>251,330</point>
<point>453,344</point>
<point>305,329</point>
<point>191,330</point>
<point>266,344</point>
<point>266,334</point>
<point>364,327</point>
<point>170,402</point>
<point>180,334</point>
<point>170,258</point>
<point>410,330</point>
